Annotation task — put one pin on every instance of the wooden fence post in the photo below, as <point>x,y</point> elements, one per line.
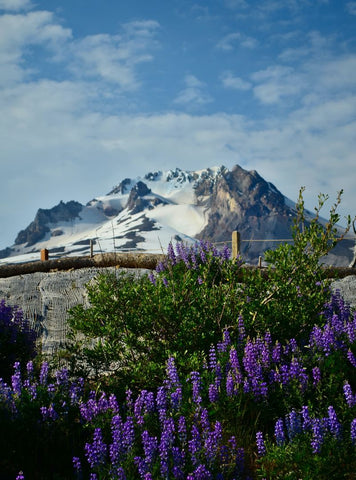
<point>91,248</point>
<point>44,254</point>
<point>235,244</point>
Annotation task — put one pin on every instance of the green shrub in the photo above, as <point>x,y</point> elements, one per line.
<point>135,323</point>
<point>289,294</point>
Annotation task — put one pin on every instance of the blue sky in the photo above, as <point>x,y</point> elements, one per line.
<point>95,91</point>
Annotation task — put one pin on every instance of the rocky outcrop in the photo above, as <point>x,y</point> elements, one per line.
<point>244,201</point>
<point>40,226</point>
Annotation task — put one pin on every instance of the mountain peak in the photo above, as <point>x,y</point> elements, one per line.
<point>146,213</point>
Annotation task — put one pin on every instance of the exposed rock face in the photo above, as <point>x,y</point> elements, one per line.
<point>135,202</point>
<point>39,227</point>
<point>123,187</point>
<point>243,201</point>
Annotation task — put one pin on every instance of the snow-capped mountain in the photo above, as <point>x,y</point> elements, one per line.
<point>146,213</point>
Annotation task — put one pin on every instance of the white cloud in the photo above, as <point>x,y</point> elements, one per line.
<point>236,83</point>
<point>194,94</point>
<point>276,83</point>
<point>19,33</point>
<point>113,58</point>
<point>351,8</point>
<point>230,41</point>
<point>15,5</point>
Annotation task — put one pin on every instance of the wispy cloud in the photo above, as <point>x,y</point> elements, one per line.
<point>277,82</point>
<point>233,40</point>
<point>194,94</point>
<point>236,83</point>
<point>15,5</point>
<point>19,33</point>
<point>351,8</point>
<point>113,58</point>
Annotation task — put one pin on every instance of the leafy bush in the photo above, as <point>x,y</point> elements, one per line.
<point>134,323</point>
<point>17,339</point>
<point>290,293</point>
<point>253,409</point>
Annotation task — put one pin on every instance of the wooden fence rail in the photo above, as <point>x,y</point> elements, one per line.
<point>135,260</point>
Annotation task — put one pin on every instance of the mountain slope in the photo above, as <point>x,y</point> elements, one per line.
<point>146,213</point>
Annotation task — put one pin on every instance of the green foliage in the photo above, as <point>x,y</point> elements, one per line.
<point>134,323</point>
<point>290,293</point>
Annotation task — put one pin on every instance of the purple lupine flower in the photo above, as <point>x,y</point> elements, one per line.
<point>182,429</point>
<point>195,445</point>
<point>161,402</point>
<point>226,253</point>
<point>212,359</point>
<point>316,376</point>
<point>293,424</point>
<point>204,420</point>
<point>96,451</point>
<point>261,448</point>
<point>202,473</point>
<point>284,374</point>
<point>318,435</point>
<point>165,281</point>
<point>230,385</point>
<point>29,368</point>
<point>140,407</point>
<point>150,446</point>
<point>241,328</point>
<point>213,393</point>
<point>77,464</point>
<point>44,373</point>
<point>171,254</point>
<point>306,420</point>
<point>62,377</point>
<point>279,432</point>
<point>49,413</point>
<point>20,476</point>
<point>178,456</point>
<point>200,281</point>
<point>223,346</point>
<point>176,398</point>
<point>196,386</point>
<point>120,474</point>
<point>128,433</point>
<point>113,404</point>
<point>76,390</point>
<point>351,358</point>
<point>116,449</point>
<point>16,380</point>
<point>166,442</point>
<point>212,443</point>
<point>276,352</point>
<point>149,403</point>
<point>173,377</point>
<point>334,424</point>
<point>160,267</point>
<point>353,431</point>
<point>129,400</point>
<point>349,396</point>
<point>152,278</point>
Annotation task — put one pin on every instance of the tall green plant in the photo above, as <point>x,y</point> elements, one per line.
<point>135,322</point>
<point>291,291</point>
